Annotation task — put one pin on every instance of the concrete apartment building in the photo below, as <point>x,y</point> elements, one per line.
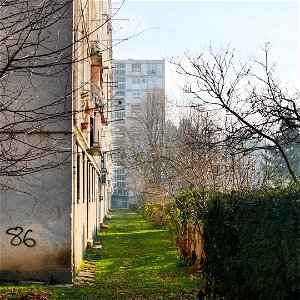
<point>133,80</point>
<point>57,132</point>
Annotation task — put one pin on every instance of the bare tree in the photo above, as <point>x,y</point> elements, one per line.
<point>247,93</point>
<point>145,142</point>
<point>163,158</point>
<point>37,85</point>
<point>31,50</point>
<point>197,155</point>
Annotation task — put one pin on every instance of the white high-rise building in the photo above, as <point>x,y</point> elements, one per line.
<point>133,80</point>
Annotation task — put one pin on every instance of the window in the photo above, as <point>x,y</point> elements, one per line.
<point>136,95</point>
<point>119,72</point>
<point>136,80</point>
<point>121,184</point>
<point>122,121</point>
<point>103,178</point>
<point>93,185</point>
<point>120,170</point>
<point>121,86</point>
<point>136,67</point>
<point>120,93</point>
<point>119,114</point>
<point>88,183</point>
<point>78,176</point>
<point>152,68</point>
<point>120,66</point>
<point>83,178</point>
<point>103,161</point>
<point>120,79</point>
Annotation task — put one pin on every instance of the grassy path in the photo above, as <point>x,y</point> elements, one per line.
<point>136,262</point>
<point>139,262</point>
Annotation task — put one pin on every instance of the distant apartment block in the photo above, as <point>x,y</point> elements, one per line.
<point>133,80</point>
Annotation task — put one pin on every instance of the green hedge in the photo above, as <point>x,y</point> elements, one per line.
<point>252,245</point>
<point>155,213</point>
<point>251,241</point>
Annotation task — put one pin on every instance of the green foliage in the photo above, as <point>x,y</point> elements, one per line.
<point>187,209</point>
<point>137,262</point>
<point>143,212</point>
<point>252,245</point>
<point>181,212</point>
<point>251,240</point>
<point>26,293</point>
<point>155,213</point>
<point>133,207</point>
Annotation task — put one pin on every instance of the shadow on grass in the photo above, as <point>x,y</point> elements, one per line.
<point>139,262</point>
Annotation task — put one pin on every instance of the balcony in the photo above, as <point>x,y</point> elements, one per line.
<point>104,171</point>
<point>95,151</point>
<point>103,179</point>
<point>95,137</point>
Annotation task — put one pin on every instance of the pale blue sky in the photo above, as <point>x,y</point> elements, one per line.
<point>179,26</point>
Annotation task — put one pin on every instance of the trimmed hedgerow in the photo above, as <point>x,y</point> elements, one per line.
<point>250,240</point>
<point>252,245</point>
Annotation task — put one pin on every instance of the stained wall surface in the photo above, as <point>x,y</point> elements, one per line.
<point>36,227</point>
<point>36,141</point>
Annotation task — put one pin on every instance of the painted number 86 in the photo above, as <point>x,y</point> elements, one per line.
<point>17,239</point>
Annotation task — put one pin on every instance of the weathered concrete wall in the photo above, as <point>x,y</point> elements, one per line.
<point>84,228</point>
<point>36,143</point>
<point>36,88</point>
<point>85,202</point>
<point>45,227</point>
<point>36,225</point>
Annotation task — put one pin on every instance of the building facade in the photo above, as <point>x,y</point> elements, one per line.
<point>55,182</point>
<point>133,80</point>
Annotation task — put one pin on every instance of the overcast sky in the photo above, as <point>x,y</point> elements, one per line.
<point>173,27</point>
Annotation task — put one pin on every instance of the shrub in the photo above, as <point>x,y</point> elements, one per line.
<point>133,207</point>
<point>251,240</point>
<point>155,213</point>
<point>184,220</point>
<point>252,245</point>
<point>142,211</point>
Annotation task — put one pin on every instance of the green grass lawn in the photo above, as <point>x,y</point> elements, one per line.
<point>136,262</point>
